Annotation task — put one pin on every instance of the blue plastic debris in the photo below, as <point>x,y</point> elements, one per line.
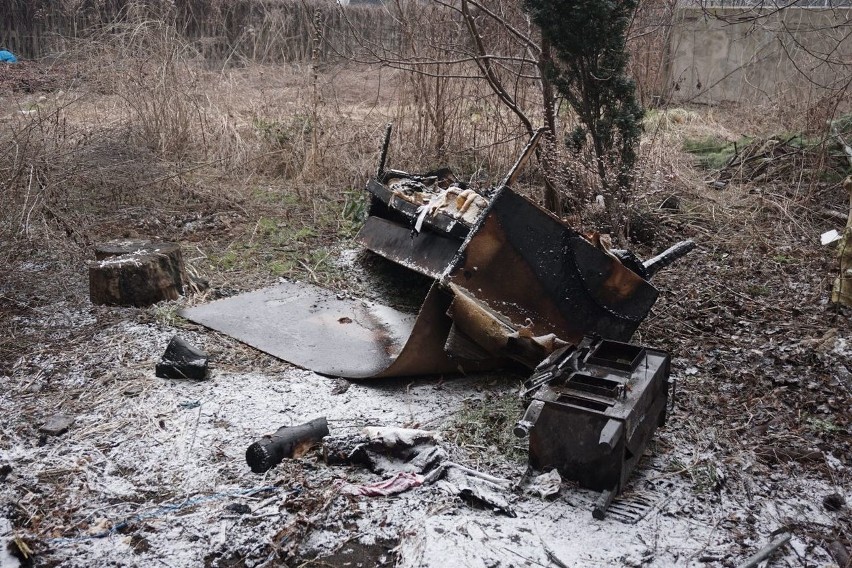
<point>7,56</point>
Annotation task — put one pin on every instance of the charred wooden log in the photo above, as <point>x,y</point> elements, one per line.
<point>286,442</point>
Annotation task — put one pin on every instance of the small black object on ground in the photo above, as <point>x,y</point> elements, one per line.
<point>286,442</point>
<point>183,361</point>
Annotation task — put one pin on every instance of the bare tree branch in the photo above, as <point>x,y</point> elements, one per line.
<point>485,66</point>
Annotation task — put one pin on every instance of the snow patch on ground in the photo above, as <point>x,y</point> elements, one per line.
<point>147,472</point>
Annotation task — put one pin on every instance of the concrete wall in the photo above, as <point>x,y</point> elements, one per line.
<point>790,55</point>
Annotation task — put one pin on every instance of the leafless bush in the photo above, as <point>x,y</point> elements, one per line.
<point>449,110</point>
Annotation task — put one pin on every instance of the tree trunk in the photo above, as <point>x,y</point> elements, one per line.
<point>136,273</point>
<point>842,292</point>
<point>552,199</point>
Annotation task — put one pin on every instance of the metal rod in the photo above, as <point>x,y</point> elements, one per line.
<point>523,158</point>
<point>383,158</point>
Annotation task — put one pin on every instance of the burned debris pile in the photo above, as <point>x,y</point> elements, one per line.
<point>512,285</point>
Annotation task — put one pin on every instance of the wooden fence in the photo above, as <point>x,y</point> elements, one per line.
<point>260,30</point>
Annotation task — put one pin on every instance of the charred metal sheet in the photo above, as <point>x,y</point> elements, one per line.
<point>313,328</point>
<point>428,253</point>
<point>530,267</point>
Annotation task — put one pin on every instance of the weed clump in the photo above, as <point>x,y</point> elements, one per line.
<point>483,428</point>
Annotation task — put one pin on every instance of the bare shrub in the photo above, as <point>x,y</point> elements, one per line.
<point>446,111</point>
<point>162,93</point>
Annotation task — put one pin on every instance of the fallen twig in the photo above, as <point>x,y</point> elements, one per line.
<point>832,213</point>
<point>765,552</point>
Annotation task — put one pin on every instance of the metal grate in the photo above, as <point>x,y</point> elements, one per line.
<point>633,507</point>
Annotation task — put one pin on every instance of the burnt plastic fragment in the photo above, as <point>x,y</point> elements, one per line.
<point>183,360</point>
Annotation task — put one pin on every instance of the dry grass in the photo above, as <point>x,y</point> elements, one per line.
<point>143,127</point>
<point>141,134</point>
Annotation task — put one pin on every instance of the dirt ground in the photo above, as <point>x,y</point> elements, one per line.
<point>152,471</point>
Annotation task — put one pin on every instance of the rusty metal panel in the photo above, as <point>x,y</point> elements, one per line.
<point>311,327</point>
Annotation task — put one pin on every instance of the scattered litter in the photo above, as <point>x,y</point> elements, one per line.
<point>829,237</point>
<point>56,425</point>
<point>386,450</point>
<point>189,404</point>
<point>402,481</point>
<point>413,458</point>
<point>546,485</point>
<point>391,438</point>
<point>476,489</point>
<point>183,361</point>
